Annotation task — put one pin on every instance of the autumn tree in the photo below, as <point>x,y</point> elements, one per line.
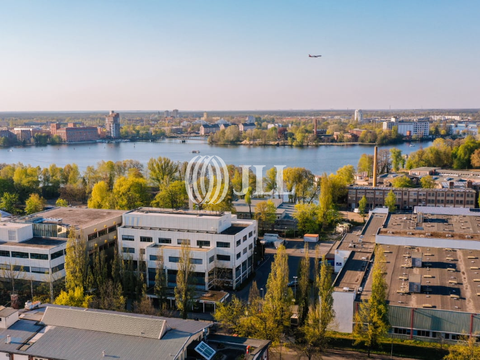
<point>34,204</point>
<point>130,193</point>
<point>74,297</point>
<point>101,197</point>
<point>371,320</point>
<point>465,349</point>
<point>475,158</point>
<point>303,288</point>
<point>161,169</point>
<point>398,161</point>
<point>160,287</point>
<point>307,218</point>
<point>8,202</point>
<point>365,164</point>
<point>402,182</point>
<point>391,201</point>
<point>271,184</point>
<point>61,203</point>
<point>185,290</point>
<point>172,195</point>
<point>75,261</point>
<point>326,211</point>
<point>362,206</point>
<point>248,200</point>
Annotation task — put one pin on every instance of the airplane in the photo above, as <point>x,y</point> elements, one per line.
<point>314,56</point>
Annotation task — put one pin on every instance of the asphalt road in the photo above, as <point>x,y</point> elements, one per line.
<point>295,251</point>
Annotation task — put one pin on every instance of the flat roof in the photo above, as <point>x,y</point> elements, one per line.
<point>160,211</point>
<point>36,242</point>
<point>76,216</point>
<point>354,187</point>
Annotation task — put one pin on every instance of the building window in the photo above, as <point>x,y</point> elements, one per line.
<point>202,243</point>
<point>174,259</point>
<point>128,250</point>
<point>92,236</point>
<point>19,254</point>
<point>112,228</point>
<point>4,253</point>
<point>239,242</point>
<point>239,255</point>
<point>245,251</point>
<point>197,261</point>
<point>58,268</point>
<point>211,259</point>
<point>250,246</point>
<point>142,251</point>
<point>12,235</point>
<point>146,239</point>
<point>21,268</point>
<point>223,257</point>
<point>56,254</point>
<point>245,238</point>
<point>128,238</point>
<point>39,270</point>
<point>154,258</point>
<point>102,232</point>
<point>183,241</point>
<point>38,256</point>
<point>164,241</point>
<point>222,244</point>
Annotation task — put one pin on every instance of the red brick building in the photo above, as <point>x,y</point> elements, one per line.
<point>75,134</point>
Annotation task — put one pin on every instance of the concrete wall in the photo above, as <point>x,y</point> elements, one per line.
<point>21,232</point>
<point>341,257</point>
<point>343,304</point>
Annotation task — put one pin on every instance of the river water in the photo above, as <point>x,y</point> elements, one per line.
<point>318,159</point>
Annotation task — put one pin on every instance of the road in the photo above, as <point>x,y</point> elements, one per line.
<point>295,251</point>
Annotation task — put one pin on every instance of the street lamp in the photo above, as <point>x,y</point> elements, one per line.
<point>261,289</point>
<point>295,285</point>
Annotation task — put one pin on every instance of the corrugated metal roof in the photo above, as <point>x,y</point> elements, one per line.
<point>75,344</point>
<point>115,323</point>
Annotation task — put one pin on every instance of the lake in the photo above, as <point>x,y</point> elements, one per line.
<point>319,159</point>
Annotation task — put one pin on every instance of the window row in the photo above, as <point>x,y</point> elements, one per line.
<point>33,269</point>
<point>25,255</point>
<point>200,243</point>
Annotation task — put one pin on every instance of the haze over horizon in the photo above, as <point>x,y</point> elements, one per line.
<point>192,55</point>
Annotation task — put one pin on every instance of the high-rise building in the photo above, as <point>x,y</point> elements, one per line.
<point>175,113</point>
<point>359,116</point>
<point>112,124</point>
<point>166,113</point>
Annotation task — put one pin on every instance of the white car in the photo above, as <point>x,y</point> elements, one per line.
<point>356,211</point>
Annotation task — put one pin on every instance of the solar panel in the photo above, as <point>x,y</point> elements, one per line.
<point>206,351</point>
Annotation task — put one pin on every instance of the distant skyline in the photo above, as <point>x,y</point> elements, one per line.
<point>250,55</point>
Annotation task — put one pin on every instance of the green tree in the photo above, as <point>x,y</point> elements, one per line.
<point>160,287</point>
<point>271,184</point>
<point>130,193</point>
<point>74,297</point>
<point>398,161</point>
<point>61,203</point>
<point>402,182</point>
<point>307,218</point>
<point>365,164</point>
<point>75,261</point>
<point>34,204</point>
<point>161,169</point>
<point>265,214</point>
<point>303,289</point>
<point>173,196</point>
<point>185,290</point>
<point>8,202</point>
<point>475,158</point>
<point>111,296</point>
<point>278,297</point>
<point>326,212</point>
<point>371,321</point>
<point>427,182</point>
<point>362,206</point>
<point>231,314</point>
<point>248,200</point>
<point>391,201</point>
<point>346,174</point>
<point>101,197</point>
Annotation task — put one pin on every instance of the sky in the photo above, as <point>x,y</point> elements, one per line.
<point>238,55</point>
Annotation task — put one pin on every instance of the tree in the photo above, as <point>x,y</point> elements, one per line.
<point>74,297</point>
<point>303,289</point>
<point>362,206</point>
<point>161,169</point>
<point>34,204</point>
<point>325,209</point>
<point>265,213</point>
<point>365,164</point>
<point>8,202</point>
<point>160,287</point>
<point>61,203</point>
<point>402,182</point>
<point>184,291</point>
<point>12,273</point>
<point>173,196</point>
<point>230,314</point>
<point>475,158</point>
<point>346,174</point>
<point>278,297</point>
<point>391,201</point>
<point>271,181</point>
<point>427,182</point>
<point>111,296</point>
<point>101,197</point>
<point>130,193</point>
<point>307,218</point>
<point>75,261</point>
<point>248,200</point>
<point>398,161</point>
<point>371,321</point>
<point>465,349</point>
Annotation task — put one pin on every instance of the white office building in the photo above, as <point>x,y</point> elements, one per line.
<point>26,257</point>
<point>408,128</point>
<point>359,116</point>
<point>222,247</point>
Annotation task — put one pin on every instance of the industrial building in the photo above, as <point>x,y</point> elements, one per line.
<point>222,247</point>
<point>432,270</point>
<point>206,129</point>
<point>418,127</point>
<point>73,133</point>
<point>408,198</point>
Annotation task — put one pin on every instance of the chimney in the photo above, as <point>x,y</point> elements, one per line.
<point>374,170</point>
<point>315,123</point>
<point>8,339</point>
<point>469,184</point>
<point>451,184</point>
